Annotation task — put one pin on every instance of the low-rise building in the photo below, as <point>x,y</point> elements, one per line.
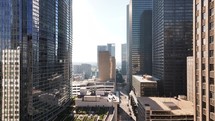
<point>145,85</point>
<point>164,109</point>
<point>100,88</point>
<point>110,100</point>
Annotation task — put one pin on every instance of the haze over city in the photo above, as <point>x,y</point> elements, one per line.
<point>97,22</point>
<point>107,60</point>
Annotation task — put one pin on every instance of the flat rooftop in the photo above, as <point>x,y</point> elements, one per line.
<point>146,78</point>
<point>176,106</point>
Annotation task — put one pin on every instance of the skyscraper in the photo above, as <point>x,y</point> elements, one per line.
<point>104,65</point>
<point>11,84</point>
<point>40,33</point>
<point>203,57</point>
<point>172,43</point>
<point>124,59</point>
<point>106,62</point>
<point>111,49</point>
<point>136,36</point>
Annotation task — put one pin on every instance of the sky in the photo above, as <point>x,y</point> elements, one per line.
<point>97,22</point>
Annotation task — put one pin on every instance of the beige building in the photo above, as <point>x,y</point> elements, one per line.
<point>164,109</point>
<point>203,54</point>
<point>190,81</point>
<point>107,66</point>
<point>112,68</point>
<point>104,65</point>
<point>145,85</point>
<point>11,85</point>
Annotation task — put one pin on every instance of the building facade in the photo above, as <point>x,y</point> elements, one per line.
<point>164,109</point>
<point>84,69</point>
<point>172,43</point>
<point>145,85</point>
<point>190,81</point>
<point>203,55</point>
<point>104,65</point>
<point>124,59</point>
<point>11,85</point>
<point>106,62</point>
<point>136,36</point>
<point>42,30</point>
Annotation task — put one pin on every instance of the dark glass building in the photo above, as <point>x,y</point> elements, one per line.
<point>172,43</point>
<point>137,54</point>
<point>42,31</point>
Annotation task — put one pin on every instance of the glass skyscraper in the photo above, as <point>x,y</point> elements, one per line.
<point>137,11</point>
<point>42,32</point>
<point>172,43</point>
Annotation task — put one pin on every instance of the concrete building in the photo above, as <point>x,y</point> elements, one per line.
<point>138,37</point>
<point>100,88</point>
<point>42,30</point>
<point>11,85</point>
<point>84,69</point>
<point>106,62</point>
<point>164,109</point>
<point>145,85</point>
<point>104,65</point>
<point>190,81</point>
<point>172,43</point>
<point>203,57</point>
<point>112,68</point>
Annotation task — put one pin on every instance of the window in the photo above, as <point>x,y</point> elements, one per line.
<point>211,53</point>
<point>211,39</point>
<point>211,25</point>
<point>211,67</point>
<point>211,12</point>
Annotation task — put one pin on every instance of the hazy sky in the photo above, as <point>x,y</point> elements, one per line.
<point>97,22</point>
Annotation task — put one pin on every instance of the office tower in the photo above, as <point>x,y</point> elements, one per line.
<point>101,48</point>
<point>136,25</point>
<point>203,56</point>
<point>172,43</point>
<point>106,62</point>
<point>11,84</point>
<point>190,81</point>
<point>42,31</point>
<point>112,68</point>
<point>124,59</point>
<point>146,42</point>
<point>84,69</point>
<point>111,49</point>
<point>104,65</point>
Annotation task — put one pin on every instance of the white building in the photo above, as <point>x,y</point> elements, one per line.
<point>100,88</point>
<point>10,85</point>
<point>190,81</point>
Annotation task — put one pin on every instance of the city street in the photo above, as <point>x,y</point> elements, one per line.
<point>125,111</point>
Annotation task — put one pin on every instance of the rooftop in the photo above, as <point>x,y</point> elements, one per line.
<point>176,106</point>
<point>146,78</point>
